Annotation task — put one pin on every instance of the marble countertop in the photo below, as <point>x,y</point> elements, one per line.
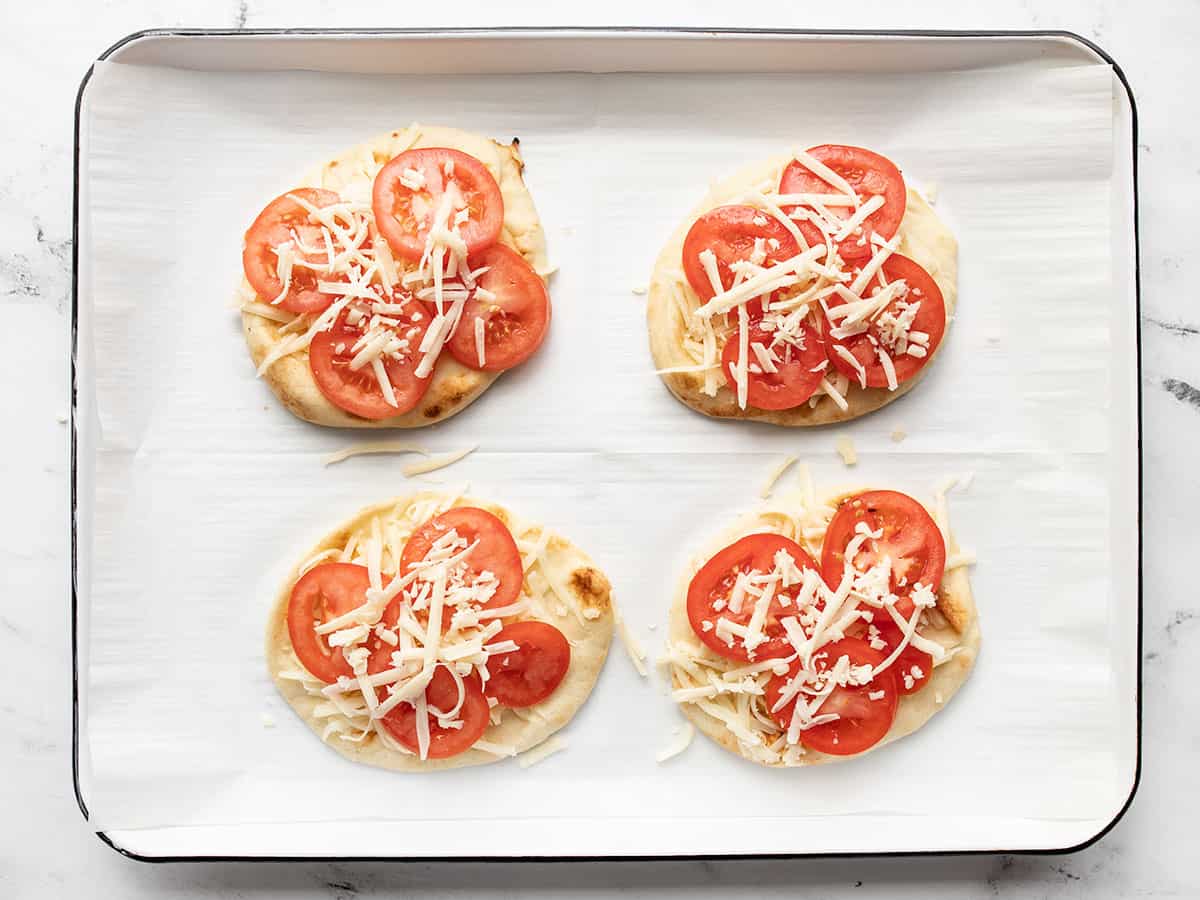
<point>47,849</point>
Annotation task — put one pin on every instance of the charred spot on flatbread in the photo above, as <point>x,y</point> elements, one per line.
<point>591,588</point>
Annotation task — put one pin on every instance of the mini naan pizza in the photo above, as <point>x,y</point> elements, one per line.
<point>393,285</point>
<point>818,630</point>
<point>434,632</point>
<point>805,290</point>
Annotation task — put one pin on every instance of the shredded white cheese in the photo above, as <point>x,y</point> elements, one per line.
<point>481,341</point>
<point>682,740</point>
<point>826,174</point>
<point>775,474</point>
<point>836,395</point>
<point>437,462</point>
<point>369,447</point>
<point>548,747</point>
<point>632,646</point>
<point>494,749</point>
<point>845,449</point>
<point>274,313</point>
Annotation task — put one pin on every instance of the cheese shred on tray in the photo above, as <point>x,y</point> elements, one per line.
<point>397,281</point>
<point>435,631</point>
<point>823,628</point>
<point>809,289</point>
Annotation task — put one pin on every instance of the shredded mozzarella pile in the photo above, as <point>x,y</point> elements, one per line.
<point>439,590</point>
<point>793,290</point>
<point>632,646</point>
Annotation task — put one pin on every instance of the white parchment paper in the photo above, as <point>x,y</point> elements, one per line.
<point>207,491</point>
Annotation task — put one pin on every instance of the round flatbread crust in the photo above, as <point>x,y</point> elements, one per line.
<point>923,237</point>
<point>955,602</point>
<point>454,386</point>
<point>589,592</point>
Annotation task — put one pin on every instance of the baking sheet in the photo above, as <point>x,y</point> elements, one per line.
<point>206,491</point>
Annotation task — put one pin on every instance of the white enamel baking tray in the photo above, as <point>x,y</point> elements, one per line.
<point>676,52</point>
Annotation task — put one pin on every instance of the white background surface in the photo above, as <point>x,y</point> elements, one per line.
<point>45,847</point>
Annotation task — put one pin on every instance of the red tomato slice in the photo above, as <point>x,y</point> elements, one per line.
<point>275,226</point>
<point>324,592</point>
<point>708,595</point>
<point>795,381</point>
<point>515,320</point>
<point>404,216</point>
<point>358,391</point>
<point>930,318</point>
<point>497,551</point>
<point>529,675</point>
<point>730,233</point>
<point>911,540</point>
<point>910,657</point>
<point>442,693</point>
<point>864,722</point>
<point>869,174</point>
